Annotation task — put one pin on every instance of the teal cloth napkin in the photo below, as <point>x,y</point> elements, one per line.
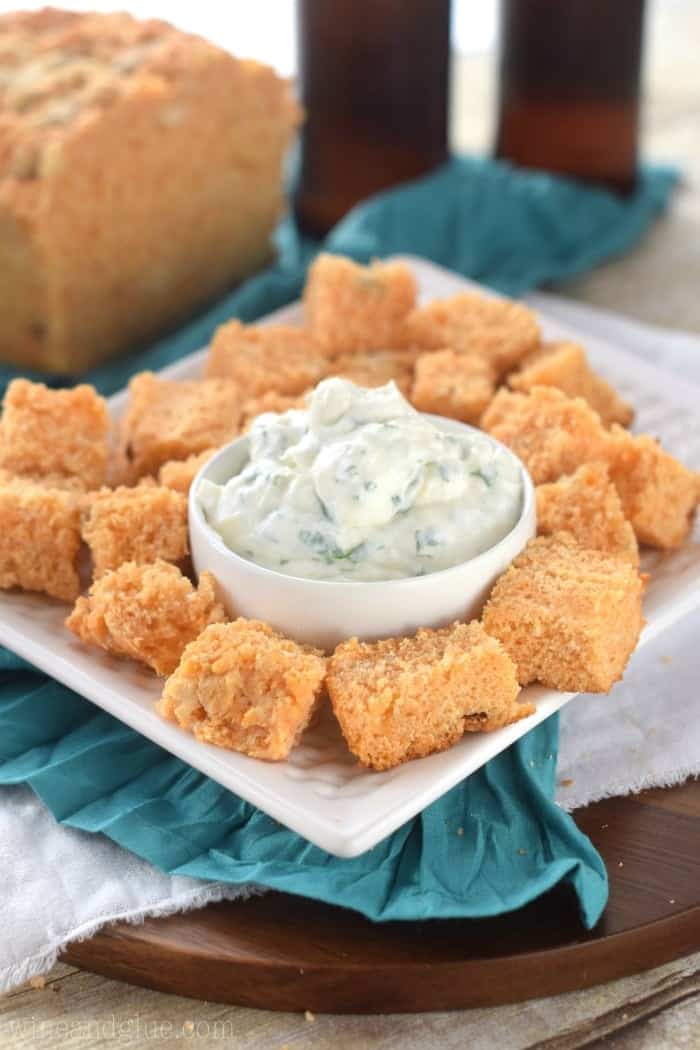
<point>496,841</point>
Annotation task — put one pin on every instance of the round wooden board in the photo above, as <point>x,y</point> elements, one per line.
<point>286,953</point>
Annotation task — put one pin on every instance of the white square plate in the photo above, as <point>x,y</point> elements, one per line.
<point>321,792</point>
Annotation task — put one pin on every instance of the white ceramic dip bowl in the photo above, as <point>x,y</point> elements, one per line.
<point>326,612</point>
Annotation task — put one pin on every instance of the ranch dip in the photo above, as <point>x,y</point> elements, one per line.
<point>361,486</point>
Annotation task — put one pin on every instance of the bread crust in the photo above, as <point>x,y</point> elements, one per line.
<point>569,617</point>
<point>146,612</point>
<point>564,365</point>
<point>245,687</point>
<point>499,330</point>
<point>404,698</point>
<point>140,176</point>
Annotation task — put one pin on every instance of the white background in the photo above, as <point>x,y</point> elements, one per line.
<point>264,29</point>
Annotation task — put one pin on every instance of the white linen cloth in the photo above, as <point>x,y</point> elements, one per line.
<point>59,885</point>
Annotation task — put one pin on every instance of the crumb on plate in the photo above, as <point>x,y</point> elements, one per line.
<point>246,687</point>
<point>148,612</point>
<point>402,698</point>
<point>569,617</point>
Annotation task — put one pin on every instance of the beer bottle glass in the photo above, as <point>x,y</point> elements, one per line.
<point>569,87</point>
<point>374,83</point>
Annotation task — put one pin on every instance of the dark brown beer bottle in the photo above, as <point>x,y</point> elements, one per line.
<point>374,81</point>
<point>570,86</point>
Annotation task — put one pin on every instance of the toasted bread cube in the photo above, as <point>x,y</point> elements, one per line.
<point>265,358</point>
<point>245,687</point>
<point>270,402</point>
<point>587,505</point>
<point>138,525</point>
<point>659,495</point>
<point>58,435</point>
<point>551,433</point>
<point>39,539</point>
<point>565,366</point>
<point>569,617</point>
<point>377,368</point>
<point>404,698</point>
<point>148,612</point>
<point>500,330</point>
<point>456,385</point>
<point>351,308</point>
<point>178,474</point>
<point>167,419</point>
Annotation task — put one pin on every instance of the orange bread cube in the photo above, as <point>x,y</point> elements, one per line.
<point>377,368</point>
<point>167,420</point>
<point>59,435</point>
<point>147,612</point>
<point>270,402</point>
<point>587,505</point>
<point>138,525</point>
<point>39,539</point>
<point>500,330</point>
<point>350,308</point>
<point>565,366</point>
<point>451,384</point>
<point>265,358</point>
<point>659,495</point>
<point>552,434</point>
<point>403,698</point>
<point>245,687</point>
<point>568,617</point>
<point>178,474</point>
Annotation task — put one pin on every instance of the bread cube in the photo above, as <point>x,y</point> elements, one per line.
<point>266,358</point>
<point>270,402</point>
<point>551,433</point>
<point>587,505</point>
<point>404,698</point>
<point>60,436</point>
<point>456,385</point>
<point>39,539</point>
<point>377,368</point>
<point>659,495</point>
<point>147,612</point>
<point>565,366</point>
<point>569,617</point>
<point>351,308</point>
<point>500,330</point>
<point>138,525</point>
<point>167,420</point>
<point>245,687</point>
<point>178,474</point>
<point>141,174</point>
